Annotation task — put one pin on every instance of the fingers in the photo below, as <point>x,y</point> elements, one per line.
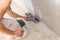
<point>18,33</point>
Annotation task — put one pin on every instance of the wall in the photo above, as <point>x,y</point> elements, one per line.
<point>50,11</point>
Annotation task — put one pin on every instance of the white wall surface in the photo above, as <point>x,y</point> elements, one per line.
<point>50,10</point>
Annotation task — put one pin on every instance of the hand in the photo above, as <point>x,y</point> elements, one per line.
<point>18,33</point>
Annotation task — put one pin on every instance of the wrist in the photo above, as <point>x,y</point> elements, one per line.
<point>22,17</point>
<point>13,33</point>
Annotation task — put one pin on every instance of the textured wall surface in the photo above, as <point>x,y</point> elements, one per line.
<point>50,13</point>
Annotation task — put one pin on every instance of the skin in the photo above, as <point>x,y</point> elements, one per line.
<point>14,15</point>
<point>5,7</point>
